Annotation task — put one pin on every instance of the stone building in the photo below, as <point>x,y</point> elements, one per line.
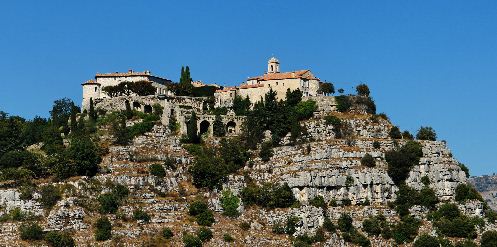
<point>92,89</point>
<point>256,87</point>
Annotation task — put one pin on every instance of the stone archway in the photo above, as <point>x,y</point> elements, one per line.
<point>231,128</point>
<point>204,127</point>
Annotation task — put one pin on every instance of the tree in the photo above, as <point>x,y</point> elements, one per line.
<point>60,113</point>
<point>157,170</point>
<point>50,195</point>
<point>241,106</point>
<point>343,103</point>
<point>84,154</point>
<point>31,231</point>
<point>191,129</point>
<point>489,239</point>
<point>305,109</point>
<point>402,160</point>
<point>394,133</point>
<point>230,203</point>
<point>426,133</point>
<point>185,87</point>
<point>426,240</point>
<point>467,192</point>
<point>218,127</point>
<point>362,90</point>
<point>368,160</point>
<point>190,240</point>
<point>59,239</point>
<point>204,234</point>
<point>293,98</point>
<point>92,113</point>
<point>345,223</point>
<point>326,88</point>
<point>103,229</point>
<point>128,112</point>
<point>266,151</point>
<point>142,88</point>
<point>74,123</point>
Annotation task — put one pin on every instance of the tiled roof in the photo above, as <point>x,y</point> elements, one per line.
<point>226,89</point>
<point>303,74</point>
<point>245,86</point>
<point>119,74</point>
<point>90,82</point>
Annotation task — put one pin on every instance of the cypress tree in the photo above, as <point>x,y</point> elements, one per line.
<point>93,114</point>
<point>128,113</point>
<point>218,127</point>
<point>74,124</point>
<point>192,129</point>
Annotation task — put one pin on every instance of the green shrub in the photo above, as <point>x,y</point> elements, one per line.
<point>357,238</point>
<point>305,109</point>
<point>343,103</point>
<point>402,160</point>
<point>228,238</point>
<point>167,233</point>
<point>157,170</point>
<point>31,231</point>
<point>426,240</point>
<point>427,197</point>
<point>318,202</point>
<point>190,240</point>
<point>328,225</point>
<point>59,239</point>
<point>278,228</point>
<point>489,239</point>
<point>291,224</point>
<point>197,207</point>
<point>465,169</point>
<point>50,195</point>
<point>230,204</point>
<point>368,160</point>
<point>362,90</point>
<point>268,196</point>
<point>467,192</point>
<point>204,234</point>
<point>395,133</point>
<point>266,151</point>
<point>426,133</point>
<point>349,181</point>
<point>108,203</point>
<point>345,223</point>
<point>376,145</point>
<point>466,243</point>
<point>139,214</point>
<point>103,229</point>
<point>407,135</point>
<point>406,230</point>
<point>333,120</point>
<point>374,225</point>
<point>205,218</point>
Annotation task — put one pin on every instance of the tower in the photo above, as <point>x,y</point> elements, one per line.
<point>273,65</point>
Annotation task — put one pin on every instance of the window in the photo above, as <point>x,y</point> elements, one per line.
<point>95,89</point>
<point>276,83</point>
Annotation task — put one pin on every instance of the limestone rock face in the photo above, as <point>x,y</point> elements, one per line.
<point>310,218</point>
<point>9,200</point>
<point>66,216</point>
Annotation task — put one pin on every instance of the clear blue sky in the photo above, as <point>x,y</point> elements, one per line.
<point>431,63</point>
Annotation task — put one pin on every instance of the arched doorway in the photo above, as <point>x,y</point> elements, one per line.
<point>231,127</point>
<point>204,127</point>
<point>136,106</point>
<point>147,109</point>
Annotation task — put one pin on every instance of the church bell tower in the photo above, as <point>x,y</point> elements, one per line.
<point>273,66</point>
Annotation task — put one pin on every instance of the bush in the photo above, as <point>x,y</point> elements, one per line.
<point>343,103</point>
<point>205,218</point>
<point>228,238</point>
<point>305,109</point>
<point>108,203</point>
<point>349,181</point>
<point>465,169</point>
<point>376,144</point>
<point>466,243</point>
<point>362,90</point>
<point>31,231</point>
<point>489,239</point>
<point>139,214</point>
<point>49,196</point>
<point>318,202</point>
<point>167,233</point>
<point>402,160</point>
<point>59,239</point>
<point>268,196</point>
<point>157,170</point>
<point>375,225</point>
<point>204,234</point>
<point>291,224</point>
<point>328,225</point>
<point>345,223</point>
<point>266,151</point>
<point>230,203</point>
<point>406,230</point>
<point>427,197</point>
<point>190,240</point>
<point>357,238</point>
<point>426,133</point>
<point>407,135</point>
<point>394,133</point>
<point>103,229</point>
<point>467,192</point>
<point>368,160</point>
<point>85,156</point>
<point>197,207</point>
<point>426,240</point>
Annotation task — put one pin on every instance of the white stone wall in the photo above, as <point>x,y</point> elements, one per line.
<point>90,91</point>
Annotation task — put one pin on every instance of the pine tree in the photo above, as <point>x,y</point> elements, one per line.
<point>218,127</point>
<point>192,129</point>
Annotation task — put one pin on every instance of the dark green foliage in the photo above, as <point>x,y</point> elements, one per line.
<point>33,130</point>
<point>368,160</point>
<point>466,243</point>
<point>205,218</point>
<point>190,240</point>
<point>167,233</point>
<point>230,204</point>
<point>157,170</point>
<point>204,234</point>
<point>376,145</point>
<point>50,195</point>
<point>305,109</point>
<point>449,221</point>
<point>407,136</point>
<point>465,169</point>
<point>241,106</point>
<point>326,88</point>
<point>59,239</point>
<point>192,130</point>
<point>489,239</point>
<point>268,196</point>
<point>139,214</point>
<point>184,87</point>
<point>345,223</point>
<point>218,127</point>
<point>197,207</point>
<point>103,229</point>
<point>467,192</point>
<point>328,225</point>
<point>336,123</point>
<point>426,240</point>
<point>22,158</point>
<point>141,88</point>
<point>266,151</point>
<point>349,181</point>
<point>356,238</point>
<point>426,133</point>
<point>110,201</point>
<point>375,225</point>
<point>367,102</point>
<point>204,91</point>
<point>228,238</point>
<point>291,224</point>
<point>84,155</point>
<point>208,171</point>
<point>60,114</point>
<point>362,90</point>
<point>343,103</point>
<point>425,180</point>
<point>401,161</point>
<point>92,113</point>
<point>31,231</point>
<point>406,230</point>
<point>278,228</point>
<point>140,128</point>
<point>318,202</point>
<point>406,198</point>
<point>395,133</point>
<point>128,112</point>
<point>427,197</point>
<point>173,124</point>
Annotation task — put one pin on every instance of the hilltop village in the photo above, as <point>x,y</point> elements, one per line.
<point>279,160</point>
